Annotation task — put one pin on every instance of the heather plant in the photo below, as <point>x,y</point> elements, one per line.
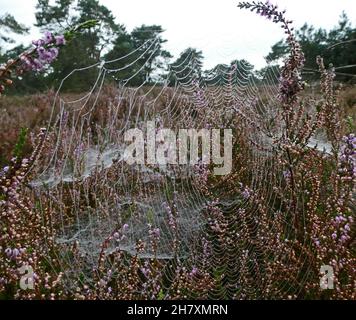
<point>91,226</point>
<point>41,55</point>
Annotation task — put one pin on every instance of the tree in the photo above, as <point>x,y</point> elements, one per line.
<point>337,47</point>
<point>269,74</point>
<point>57,16</point>
<point>278,51</point>
<point>81,52</point>
<point>151,58</point>
<point>187,66</point>
<point>216,75</point>
<point>138,57</point>
<point>237,72</point>
<point>341,49</point>
<point>101,36</point>
<point>121,58</point>
<point>8,25</point>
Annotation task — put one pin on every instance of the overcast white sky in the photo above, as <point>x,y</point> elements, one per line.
<point>218,28</point>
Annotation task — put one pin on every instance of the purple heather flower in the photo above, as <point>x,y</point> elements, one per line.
<point>194,271</point>
<point>37,65</point>
<point>246,194</point>
<point>38,43</point>
<point>42,53</point>
<point>347,165</point>
<point>54,52</point>
<point>102,283</point>
<point>27,63</point>
<point>8,252</point>
<point>60,40</point>
<point>155,232</point>
<point>45,55</point>
<point>15,253</point>
<point>48,37</point>
<point>125,227</point>
<point>286,174</point>
<point>145,272</point>
<point>79,150</point>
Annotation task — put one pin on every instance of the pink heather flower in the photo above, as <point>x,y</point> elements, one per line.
<point>334,235</point>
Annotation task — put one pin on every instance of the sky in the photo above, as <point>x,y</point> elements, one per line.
<point>221,30</point>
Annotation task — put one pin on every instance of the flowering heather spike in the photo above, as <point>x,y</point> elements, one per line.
<point>290,83</point>
<point>44,53</point>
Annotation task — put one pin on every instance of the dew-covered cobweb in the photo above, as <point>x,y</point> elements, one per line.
<point>87,167</point>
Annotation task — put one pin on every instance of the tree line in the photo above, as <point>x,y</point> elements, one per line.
<point>143,57</point>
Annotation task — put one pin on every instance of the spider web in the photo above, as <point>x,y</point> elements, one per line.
<point>87,167</point>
